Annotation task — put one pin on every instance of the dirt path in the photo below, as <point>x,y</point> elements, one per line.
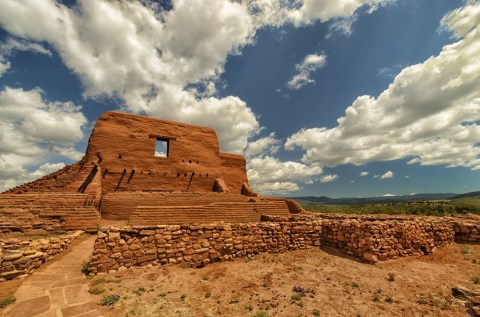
<point>59,289</point>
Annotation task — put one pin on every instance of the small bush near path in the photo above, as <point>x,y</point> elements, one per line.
<point>4,303</point>
<point>96,291</point>
<point>391,277</point>
<point>110,300</point>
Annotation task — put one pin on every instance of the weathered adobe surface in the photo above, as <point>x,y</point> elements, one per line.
<point>121,176</point>
<point>54,182</point>
<point>372,239</point>
<point>121,157</point>
<point>146,208</point>
<point>48,211</point>
<point>20,257</point>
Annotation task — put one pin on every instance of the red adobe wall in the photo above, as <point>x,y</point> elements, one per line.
<point>122,148</point>
<point>120,157</point>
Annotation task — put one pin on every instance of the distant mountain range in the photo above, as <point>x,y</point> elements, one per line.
<point>381,200</point>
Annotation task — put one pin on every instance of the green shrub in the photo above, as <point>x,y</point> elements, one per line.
<point>466,249</point>
<point>391,277</point>
<point>110,300</point>
<point>7,301</point>
<point>85,268</point>
<point>96,291</point>
<point>475,279</point>
<point>296,297</point>
<point>105,280</point>
<point>139,291</point>
<point>464,205</point>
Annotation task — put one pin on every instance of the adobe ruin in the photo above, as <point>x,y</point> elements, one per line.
<point>174,198</point>
<point>144,171</point>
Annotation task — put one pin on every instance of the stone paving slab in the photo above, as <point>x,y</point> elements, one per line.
<point>57,290</point>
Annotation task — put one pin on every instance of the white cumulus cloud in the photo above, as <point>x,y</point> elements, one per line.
<point>147,57</point>
<point>364,173</point>
<point>388,174</point>
<point>266,145</point>
<point>303,76</point>
<point>311,11</point>
<point>269,170</point>
<point>268,188</point>
<point>430,111</point>
<point>32,131</point>
<point>160,63</point>
<point>11,45</point>
<point>4,66</point>
<point>47,168</point>
<point>328,178</point>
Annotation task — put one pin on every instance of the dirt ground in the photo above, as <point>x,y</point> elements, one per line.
<point>332,284</point>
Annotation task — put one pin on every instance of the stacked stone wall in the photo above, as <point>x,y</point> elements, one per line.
<point>467,229</point>
<point>383,240</point>
<point>371,238</point>
<point>20,256</point>
<point>198,245</point>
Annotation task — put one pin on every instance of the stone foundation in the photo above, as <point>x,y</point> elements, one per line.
<point>371,238</point>
<point>198,245</point>
<point>19,257</point>
<point>467,228</point>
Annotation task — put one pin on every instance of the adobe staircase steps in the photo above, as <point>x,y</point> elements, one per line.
<point>45,199</point>
<point>152,208</point>
<point>49,211</point>
<point>65,211</point>
<point>119,205</point>
<point>151,215</point>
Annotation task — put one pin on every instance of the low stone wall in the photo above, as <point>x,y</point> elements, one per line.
<point>198,245</point>
<point>372,238</point>
<point>383,240</point>
<point>19,257</point>
<point>467,229</point>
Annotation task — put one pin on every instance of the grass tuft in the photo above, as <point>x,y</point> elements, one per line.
<point>475,279</point>
<point>466,249</point>
<point>7,301</point>
<point>105,280</point>
<point>96,291</point>
<point>391,277</point>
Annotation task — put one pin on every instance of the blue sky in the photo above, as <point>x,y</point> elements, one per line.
<point>323,97</point>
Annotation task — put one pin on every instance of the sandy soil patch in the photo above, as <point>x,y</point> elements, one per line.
<point>329,284</point>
